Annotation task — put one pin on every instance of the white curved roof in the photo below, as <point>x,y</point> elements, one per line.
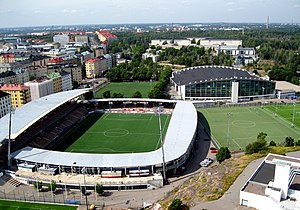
<point>31,112</point>
<point>180,133</point>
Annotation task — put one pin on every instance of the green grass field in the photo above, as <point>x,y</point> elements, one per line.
<point>127,88</point>
<point>118,133</point>
<point>15,205</point>
<point>246,122</point>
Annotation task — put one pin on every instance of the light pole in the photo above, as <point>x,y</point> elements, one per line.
<point>162,145</point>
<point>86,201</point>
<point>293,120</point>
<point>229,114</point>
<point>11,111</point>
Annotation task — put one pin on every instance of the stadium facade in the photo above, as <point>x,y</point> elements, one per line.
<point>40,125</point>
<point>221,83</point>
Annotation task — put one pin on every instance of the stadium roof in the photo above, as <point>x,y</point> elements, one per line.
<point>31,112</point>
<point>180,133</point>
<point>210,73</point>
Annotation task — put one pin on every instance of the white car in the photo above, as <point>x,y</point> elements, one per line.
<point>206,162</point>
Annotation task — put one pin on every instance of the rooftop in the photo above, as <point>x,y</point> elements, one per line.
<point>13,87</point>
<point>210,73</point>
<point>31,112</point>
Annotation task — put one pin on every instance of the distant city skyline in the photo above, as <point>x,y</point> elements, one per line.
<point>16,13</point>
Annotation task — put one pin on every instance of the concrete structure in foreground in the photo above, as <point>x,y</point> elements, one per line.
<point>221,83</point>
<point>274,185</point>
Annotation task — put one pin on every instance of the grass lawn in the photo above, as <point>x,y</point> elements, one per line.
<point>118,133</point>
<point>127,88</point>
<point>15,205</point>
<point>246,122</point>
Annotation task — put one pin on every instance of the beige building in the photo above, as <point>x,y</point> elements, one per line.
<point>57,81</point>
<point>20,94</point>
<point>7,58</point>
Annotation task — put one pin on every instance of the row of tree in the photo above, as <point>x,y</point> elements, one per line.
<point>159,90</point>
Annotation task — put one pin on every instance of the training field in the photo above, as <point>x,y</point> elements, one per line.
<point>127,88</point>
<point>118,133</point>
<point>14,205</point>
<point>246,122</point>
<point>286,112</point>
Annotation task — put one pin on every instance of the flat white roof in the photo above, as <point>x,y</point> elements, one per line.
<point>31,112</point>
<point>181,130</point>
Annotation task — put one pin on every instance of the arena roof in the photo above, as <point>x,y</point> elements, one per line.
<point>181,130</point>
<point>31,112</point>
<point>210,73</point>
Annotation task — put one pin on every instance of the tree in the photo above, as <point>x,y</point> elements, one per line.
<point>106,94</point>
<point>99,189</point>
<point>193,41</point>
<point>272,144</point>
<point>295,80</point>
<point>261,136</point>
<point>289,141</point>
<point>52,186</point>
<point>137,94</point>
<point>118,95</point>
<point>176,205</point>
<point>38,185</point>
<point>223,154</point>
<point>297,143</point>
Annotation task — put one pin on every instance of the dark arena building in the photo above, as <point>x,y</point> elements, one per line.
<point>221,83</point>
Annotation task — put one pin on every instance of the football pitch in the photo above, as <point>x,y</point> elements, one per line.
<point>118,133</point>
<point>127,88</point>
<point>236,127</point>
<point>15,205</point>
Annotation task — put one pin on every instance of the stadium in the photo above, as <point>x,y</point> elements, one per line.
<point>221,83</point>
<point>113,142</point>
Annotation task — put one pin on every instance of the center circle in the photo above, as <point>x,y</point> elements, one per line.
<point>243,123</point>
<point>116,133</point>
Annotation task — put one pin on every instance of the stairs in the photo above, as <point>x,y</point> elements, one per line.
<point>8,179</point>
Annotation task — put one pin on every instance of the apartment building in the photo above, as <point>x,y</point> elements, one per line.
<point>20,94</point>
<point>40,87</point>
<point>5,103</point>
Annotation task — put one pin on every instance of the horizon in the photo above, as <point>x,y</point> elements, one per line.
<point>34,13</point>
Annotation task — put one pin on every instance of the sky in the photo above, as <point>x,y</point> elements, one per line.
<point>21,13</point>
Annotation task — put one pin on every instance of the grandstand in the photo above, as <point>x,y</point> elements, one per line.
<point>43,129</point>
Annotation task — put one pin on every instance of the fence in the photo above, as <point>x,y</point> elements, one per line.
<point>58,197</point>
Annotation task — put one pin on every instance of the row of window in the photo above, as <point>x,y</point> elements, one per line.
<point>224,88</point>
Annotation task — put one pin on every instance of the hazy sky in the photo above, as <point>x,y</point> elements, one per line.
<point>64,12</point>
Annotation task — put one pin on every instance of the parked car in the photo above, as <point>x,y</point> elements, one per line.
<point>206,162</point>
<point>213,150</point>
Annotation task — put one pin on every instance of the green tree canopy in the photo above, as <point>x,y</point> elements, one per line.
<point>223,154</point>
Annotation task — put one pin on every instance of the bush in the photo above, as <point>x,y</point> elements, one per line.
<point>106,94</point>
<point>99,189</point>
<point>289,141</point>
<point>137,94</point>
<point>177,205</point>
<point>272,144</point>
<point>223,154</point>
<point>38,185</point>
<point>259,145</point>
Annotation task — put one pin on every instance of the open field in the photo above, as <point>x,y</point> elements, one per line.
<point>127,88</point>
<point>14,205</point>
<point>244,123</point>
<point>118,133</point>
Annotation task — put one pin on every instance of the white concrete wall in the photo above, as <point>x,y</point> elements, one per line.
<point>258,201</point>
<point>281,178</point>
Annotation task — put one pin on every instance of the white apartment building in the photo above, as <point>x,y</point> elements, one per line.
<point>40,88</point>
<point>155,58</point>
<point>62,39</point>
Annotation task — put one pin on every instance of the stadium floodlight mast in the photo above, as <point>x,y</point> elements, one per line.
<point>83,170</point>
<point>11,111</point>
<point>158,112</point>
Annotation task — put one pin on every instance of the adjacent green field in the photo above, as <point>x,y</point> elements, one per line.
<point>15,205</point>
<point>127,88</point>
<point>246,122</point>
<point>119,133</point>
